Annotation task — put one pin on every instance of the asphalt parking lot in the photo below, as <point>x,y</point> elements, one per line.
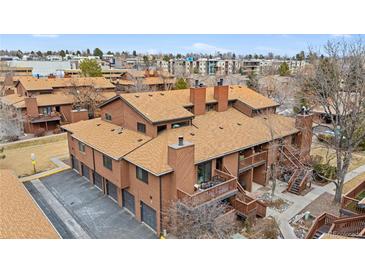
<point>98,215</point>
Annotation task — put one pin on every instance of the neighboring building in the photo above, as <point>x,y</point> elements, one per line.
<point>16,71</point>
<point>47,103</point>
<point>351,223</point>
<point>198,145</point>
<point>20,217</point>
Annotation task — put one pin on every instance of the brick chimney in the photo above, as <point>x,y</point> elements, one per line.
<point>197,98</point>
<point>304,122</point>
<point>181,158</point>
<point>221,95</point>
<point>32,106</point>
<point>79,115</point>
<point>8,81</point>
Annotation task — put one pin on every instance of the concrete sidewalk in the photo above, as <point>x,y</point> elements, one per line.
<point>61,166</point>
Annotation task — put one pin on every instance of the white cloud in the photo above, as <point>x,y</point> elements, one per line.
<point>46,35</point>
<point>206,48</point>
<point>268,49</point>
<point>341,35</point>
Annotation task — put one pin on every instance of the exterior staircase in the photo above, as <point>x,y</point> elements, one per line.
<point>301,176</point>
<point>245,205</point>
<point>342,226</point>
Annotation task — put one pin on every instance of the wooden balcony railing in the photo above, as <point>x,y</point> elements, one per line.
<point>348,226</point>
<point>202,196</point>
<point>249,206</point>
<point>321,220</point>
<point>350,201</point>
<point>252,160</point>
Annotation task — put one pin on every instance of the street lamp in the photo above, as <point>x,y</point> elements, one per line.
<point>33,158</point>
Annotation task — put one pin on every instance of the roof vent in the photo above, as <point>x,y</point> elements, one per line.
<point>221,127</point>
<point>137,96</point>
<point>98,125</point>
<point>112,129</point>
<point>180,140</point>
<point>192,133</point>
<point>162,94</point>
<point>139,140</point>
<point>150,95</point>
<point>239,124</point>
<point>120,132</point>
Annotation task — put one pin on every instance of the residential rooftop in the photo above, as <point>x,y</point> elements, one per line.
<point>20,216</point>
<point>170,105</point>
<point>33,83</point>
<point>106,137</point>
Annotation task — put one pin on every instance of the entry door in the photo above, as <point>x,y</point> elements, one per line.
<point>112,190</point>
<point>98,181</point>
<point>128,201</point>
<point>148,215</point>
<point>75,163</point>
<point>85,171</point>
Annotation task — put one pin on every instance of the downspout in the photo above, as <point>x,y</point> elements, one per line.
<point>160,204</point>
<point>93,167</point>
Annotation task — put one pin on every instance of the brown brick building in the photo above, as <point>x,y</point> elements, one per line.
<point>46,103</point>
<point>197,145</point>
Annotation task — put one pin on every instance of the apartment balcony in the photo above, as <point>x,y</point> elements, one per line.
<point>247,206</point>
<point>222,185</point>
<point>54,116</point>
<point>353,202</point>
<point>252,161</point>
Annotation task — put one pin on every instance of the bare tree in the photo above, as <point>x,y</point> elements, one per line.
<point>337,85</point>
<point>11,123</point>
<point>205,221</point>
<point>86,97</point>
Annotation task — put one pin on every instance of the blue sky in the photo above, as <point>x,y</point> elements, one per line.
<point>283,44</point>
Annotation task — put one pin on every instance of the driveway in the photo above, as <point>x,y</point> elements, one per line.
<point>95,213</point>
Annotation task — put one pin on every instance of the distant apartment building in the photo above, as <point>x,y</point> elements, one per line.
<point>45,103</point>
<point>198,145</point>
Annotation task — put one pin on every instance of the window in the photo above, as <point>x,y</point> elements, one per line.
<point>141,127</point>
<point>180,124</point>
<point>108,117</point>
<point>46,110</point>
<point>107,162</point>
<point>142,174</point>
<point>209,107</point>
<point>81,146</point>
<point>161,128</point>
<point>204,172</point>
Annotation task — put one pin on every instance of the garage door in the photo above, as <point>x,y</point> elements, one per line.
<point>75,163</point>
<point>85,171</point>
<point>112,190</point>
<point>98,180</point>
<point>128,201</point>
<point>148,215</point>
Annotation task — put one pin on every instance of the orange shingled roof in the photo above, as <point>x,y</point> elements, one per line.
<point>20,217</point>
<point>213,134</point>
<point>169,105</point>
<point>32,83</point>
<point>106,137</point>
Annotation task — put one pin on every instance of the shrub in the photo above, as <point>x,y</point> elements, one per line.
<point>325,170</point>
<point>327,138</point>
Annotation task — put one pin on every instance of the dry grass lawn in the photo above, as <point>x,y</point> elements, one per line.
<point>18,155</point>
<point>358,158</point>
<point>353,182</point>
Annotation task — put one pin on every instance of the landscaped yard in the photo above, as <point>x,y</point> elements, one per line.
<point>18,154</point>
<point>358,158</point>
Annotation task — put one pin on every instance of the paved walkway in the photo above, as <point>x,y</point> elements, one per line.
<point>61,212</point>
<point>300,202</point>
<point>61,166</point>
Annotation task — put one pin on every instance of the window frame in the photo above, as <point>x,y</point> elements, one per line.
<point>142,174</point>
<point>207,172</point>
<point>81,145</point>
<point>106,160</point>
<point>108,116</point>
<point>143,127</point>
